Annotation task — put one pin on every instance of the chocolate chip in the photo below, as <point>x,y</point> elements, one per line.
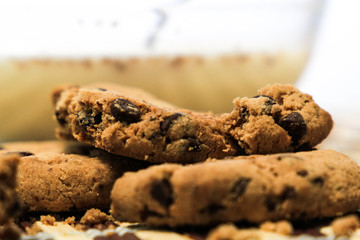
<point>98,118</point>
<point>239,187</point>
<point>270,100</point>
<point>1,147</point>
<point>271,202</point>
<point>125,111</point>
<point>244,113</point>
<point>317,181</point>
<point>287,193</point>
<point>61,120</point>
<point>89,118</point>
<point>212,209</point>
<point>168,121</point>
<point>145,213</point>
<point>194,145</point>
<point>102,89</point>
<point>302,173</point>
<point>161,191</point>
<point>295,125</point>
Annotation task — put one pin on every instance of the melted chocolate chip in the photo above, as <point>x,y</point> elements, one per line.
<point>239,187</point>
<point>125,111</point>
<point>102,89</point>
<point>295,125</point>
<point>270,100</point>
<point>318,181</point>
<point>194,145</point>
<point>212,209</point>
<point>302,173</point>
<point>168,121</point>
<point>161,191</point>
<point>1,147</point>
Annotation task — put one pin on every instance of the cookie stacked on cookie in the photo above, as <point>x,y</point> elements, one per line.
<point>247,162</point>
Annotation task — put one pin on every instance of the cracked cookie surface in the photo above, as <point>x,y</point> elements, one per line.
<point>256,188</point>
<point>140,127</point>
<point>59,176</point>
<point>279,119</point>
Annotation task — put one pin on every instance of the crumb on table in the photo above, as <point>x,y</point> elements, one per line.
<point>94,216</point>
<point>281,227</point>
<point>345,226</point>
<point>47,220</point>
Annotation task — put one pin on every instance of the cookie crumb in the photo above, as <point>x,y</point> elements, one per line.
<point>47,220</point>
<point>230,232</point>
<point>281,227</point>
<point>32,230</point>
<point>345,226</point>
<point>94,216</point>
<point>70,220</point>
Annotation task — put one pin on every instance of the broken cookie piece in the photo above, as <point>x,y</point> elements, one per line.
<point>279,119</point>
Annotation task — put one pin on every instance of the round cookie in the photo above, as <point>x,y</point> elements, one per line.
<point>79,179</point>
<point>142,127</point>
<point>302,185</point>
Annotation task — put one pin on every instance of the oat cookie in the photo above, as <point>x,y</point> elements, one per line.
<point>9,202</point>
<point>280,119</point>
<point>256,188</point>
<point>79,178</point>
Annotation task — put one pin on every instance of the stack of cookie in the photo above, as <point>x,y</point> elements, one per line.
<point>256,163</point>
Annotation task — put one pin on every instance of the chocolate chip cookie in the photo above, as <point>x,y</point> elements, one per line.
<point>279,119</point>
<point>132,126</point>
<point>78,177</point>
<point>256,188</point>
<point>9,202</point>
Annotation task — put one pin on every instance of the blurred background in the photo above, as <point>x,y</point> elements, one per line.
<point>197,54</point>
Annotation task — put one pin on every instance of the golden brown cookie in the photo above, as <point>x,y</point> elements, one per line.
<point>280,119</point>
<point>257,188</point>
<point>79,178</point>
